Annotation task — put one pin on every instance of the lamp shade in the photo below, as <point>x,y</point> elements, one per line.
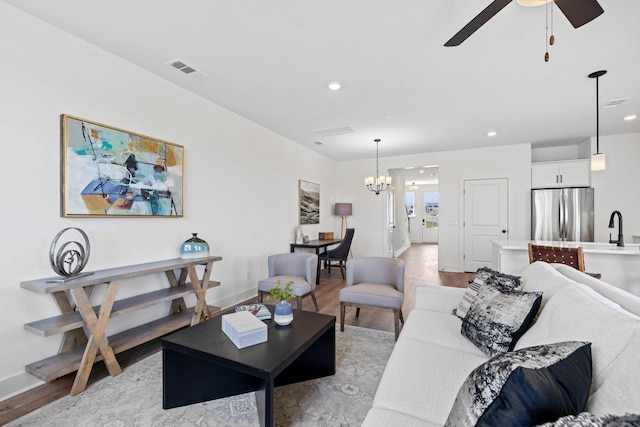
<point>342,209</point>
<point>598,162</point>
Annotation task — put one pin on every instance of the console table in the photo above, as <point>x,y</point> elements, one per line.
<point>85,342</point>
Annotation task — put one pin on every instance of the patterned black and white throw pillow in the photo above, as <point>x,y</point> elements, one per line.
<point>585,419</point>
<point>486,276</point>
<point>526,387</point>
<point>496,320</point>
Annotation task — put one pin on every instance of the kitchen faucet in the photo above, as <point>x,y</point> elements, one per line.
<point>620,241</point>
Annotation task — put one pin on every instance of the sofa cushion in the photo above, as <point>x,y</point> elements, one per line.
<point>442,329</point>
<point>525,387</point>
<point>485,276</point>
<point>577,312</point>
<point>421,379</point>
<point>542,277</point>
<point>382,417</point>
<point>496,320</point>
<point>625,299</point>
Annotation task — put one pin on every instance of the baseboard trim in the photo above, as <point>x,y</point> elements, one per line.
<point>402,250</point>
<point>12,386</point>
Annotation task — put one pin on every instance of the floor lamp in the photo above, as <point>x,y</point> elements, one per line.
<point>344,210</point>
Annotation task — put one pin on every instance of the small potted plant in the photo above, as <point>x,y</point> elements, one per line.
<point>283,314</point>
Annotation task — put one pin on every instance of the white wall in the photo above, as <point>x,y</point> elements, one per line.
<point>241,180</point>
<point>616,188</point>
<point>513,161</point>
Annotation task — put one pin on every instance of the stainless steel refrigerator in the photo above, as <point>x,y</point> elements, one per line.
<point>562,214</point>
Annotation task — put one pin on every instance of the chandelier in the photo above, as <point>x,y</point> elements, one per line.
<point>377,183</point>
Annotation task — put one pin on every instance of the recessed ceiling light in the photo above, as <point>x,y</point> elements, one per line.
<point>318,142</point>
<point>492,133</point>
<point>334,85</point>
<point>421,171</point>
<point>630,117</point>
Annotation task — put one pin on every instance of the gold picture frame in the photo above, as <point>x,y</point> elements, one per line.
<point>111,172</point>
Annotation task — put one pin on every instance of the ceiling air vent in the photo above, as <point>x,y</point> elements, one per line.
<point>615,102</point>
<point>340,130</point>
<point>190,71</point>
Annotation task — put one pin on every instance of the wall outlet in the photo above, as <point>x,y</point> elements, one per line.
<point>248,275</point>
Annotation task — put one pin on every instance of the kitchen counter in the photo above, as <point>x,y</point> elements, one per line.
<point>619,266</point>
<point>587,247</point>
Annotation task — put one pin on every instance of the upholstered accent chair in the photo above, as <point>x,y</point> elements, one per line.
<point>374,282</point>
<point>337,257</point>
<point>299,267</point>
<point>573,257</point>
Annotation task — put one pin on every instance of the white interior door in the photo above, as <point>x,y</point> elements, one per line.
<point>430,216</point>
<point>485,219</point>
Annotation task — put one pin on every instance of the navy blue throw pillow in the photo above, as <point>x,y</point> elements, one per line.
<point>526,387</point>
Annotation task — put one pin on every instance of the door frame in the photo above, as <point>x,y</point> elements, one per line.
<point>461,210</point>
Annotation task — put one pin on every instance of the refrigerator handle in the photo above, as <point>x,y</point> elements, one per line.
<point>561,205</point>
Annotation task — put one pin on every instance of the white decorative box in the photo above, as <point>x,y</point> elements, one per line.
<point>244,329</point>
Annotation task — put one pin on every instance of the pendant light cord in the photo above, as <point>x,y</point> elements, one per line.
<point>597,115</point>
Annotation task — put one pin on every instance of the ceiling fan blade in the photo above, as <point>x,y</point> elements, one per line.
<point>477,22</point>
<point>580,12</point>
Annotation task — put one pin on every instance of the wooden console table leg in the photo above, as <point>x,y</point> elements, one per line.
<point>200,288</point>
<point>70,339</point>
<point>178,304</point>
<point>97,339</point>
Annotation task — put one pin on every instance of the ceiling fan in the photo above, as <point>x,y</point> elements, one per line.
<point>578,12</point>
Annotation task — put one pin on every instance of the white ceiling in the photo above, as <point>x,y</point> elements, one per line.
<point>271,61</point>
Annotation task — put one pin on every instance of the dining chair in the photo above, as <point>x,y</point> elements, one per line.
<point>573,257</point>
<point>339,254</point>
<point>374,282</point>
<point>298,267</point>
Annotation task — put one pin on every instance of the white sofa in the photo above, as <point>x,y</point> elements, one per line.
<point>432,359</point>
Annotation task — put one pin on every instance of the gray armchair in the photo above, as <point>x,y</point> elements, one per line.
<point>374,282</point>
<point>297,266</point>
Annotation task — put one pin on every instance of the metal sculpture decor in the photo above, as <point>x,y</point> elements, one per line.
<point>69,258</point>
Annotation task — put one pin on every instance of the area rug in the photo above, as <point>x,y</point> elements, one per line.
<point>134,398</point>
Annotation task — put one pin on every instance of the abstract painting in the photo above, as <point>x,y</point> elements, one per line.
<point>110,172</point>
<point>309,198</point>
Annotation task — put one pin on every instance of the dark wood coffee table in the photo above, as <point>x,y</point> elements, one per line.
<point>201,363</point>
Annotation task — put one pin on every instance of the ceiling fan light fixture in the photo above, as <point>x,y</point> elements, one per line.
<point>532,3</point>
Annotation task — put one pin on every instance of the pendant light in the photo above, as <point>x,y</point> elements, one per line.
<point>598,162</point>
<point>375,183</point>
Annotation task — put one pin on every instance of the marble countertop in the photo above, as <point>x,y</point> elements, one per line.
<point>587,247</point>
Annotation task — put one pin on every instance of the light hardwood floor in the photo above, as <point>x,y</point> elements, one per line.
<point>421,268</point>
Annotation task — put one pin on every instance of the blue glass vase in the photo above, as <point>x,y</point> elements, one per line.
<point>195,247</point>
<point>283,314</point>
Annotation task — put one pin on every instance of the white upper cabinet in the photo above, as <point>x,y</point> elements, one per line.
<point>570,173</point>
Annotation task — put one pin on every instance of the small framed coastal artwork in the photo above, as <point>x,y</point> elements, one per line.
<point>111,172</point>
<point>309,202</point>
